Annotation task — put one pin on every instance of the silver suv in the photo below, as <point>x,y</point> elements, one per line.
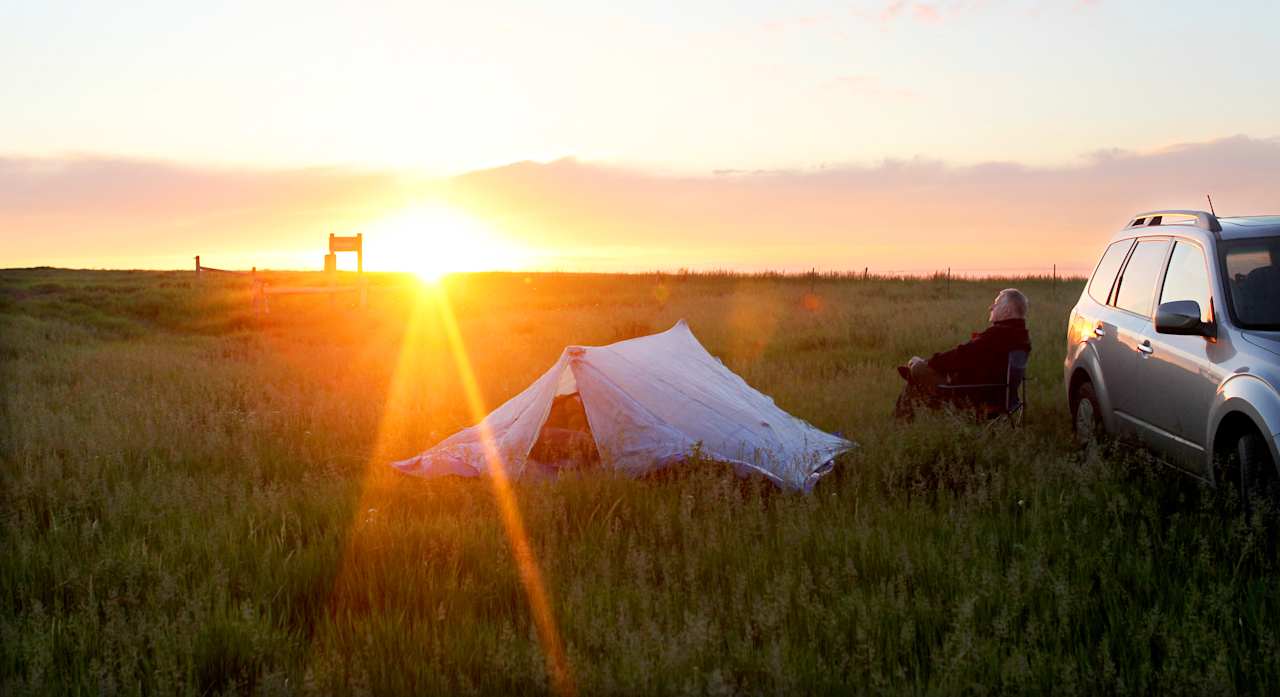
<point>1175,343</point>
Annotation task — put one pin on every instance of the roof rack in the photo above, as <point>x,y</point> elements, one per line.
<point>1200,219</point>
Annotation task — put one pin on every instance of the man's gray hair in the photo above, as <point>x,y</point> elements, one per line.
<point>1014,302</point>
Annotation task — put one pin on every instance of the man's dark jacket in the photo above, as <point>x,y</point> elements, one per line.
<point>985,358</point>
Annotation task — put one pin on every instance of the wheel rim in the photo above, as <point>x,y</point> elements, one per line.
<point>1085,420</point>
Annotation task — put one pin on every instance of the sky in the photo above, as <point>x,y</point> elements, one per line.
<point>983,135</point>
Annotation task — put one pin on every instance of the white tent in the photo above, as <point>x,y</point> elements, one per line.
<point>649,402</point>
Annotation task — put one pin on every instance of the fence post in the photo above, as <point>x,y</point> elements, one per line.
<point>948,281</point>
<point>1053,287</point>
<point>197,267</point>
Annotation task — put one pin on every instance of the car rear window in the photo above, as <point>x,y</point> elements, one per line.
<point>1138,282</point>
<point>1105,275</point>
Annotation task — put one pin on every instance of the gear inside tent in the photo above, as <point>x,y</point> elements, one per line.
<point>637,406</point>
<point>565,440</point>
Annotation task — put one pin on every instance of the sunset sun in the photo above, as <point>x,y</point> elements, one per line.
<point>434,240</point>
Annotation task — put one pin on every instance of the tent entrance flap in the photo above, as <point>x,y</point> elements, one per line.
<point>565,440</point>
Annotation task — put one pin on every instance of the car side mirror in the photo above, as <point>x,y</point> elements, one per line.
<point>1182,317</point>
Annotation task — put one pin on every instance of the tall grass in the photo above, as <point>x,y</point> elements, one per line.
<point>195,500</point>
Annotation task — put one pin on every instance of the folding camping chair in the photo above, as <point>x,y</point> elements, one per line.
<point>1014,387</point>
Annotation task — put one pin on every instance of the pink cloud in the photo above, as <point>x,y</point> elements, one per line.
<point>925,13</point>
<point>911,215</point>
<point>907,215</point>
<point>892,10</point>
<point>934,11</point>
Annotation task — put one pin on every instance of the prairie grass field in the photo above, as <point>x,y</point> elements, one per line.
<point>195,499</point>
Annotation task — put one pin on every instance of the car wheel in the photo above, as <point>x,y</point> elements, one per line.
<point>1249,467</point>
<point>1086,415</point>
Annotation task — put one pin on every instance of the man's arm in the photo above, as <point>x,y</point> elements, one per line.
<point>959,359</point>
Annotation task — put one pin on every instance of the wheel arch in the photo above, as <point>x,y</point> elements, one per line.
<point>1243,402</point>
<point>1084,370</point>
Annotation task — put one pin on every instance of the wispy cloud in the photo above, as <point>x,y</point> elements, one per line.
<point>926,12</point>
<point>936,11</point>
<point>891,11</point>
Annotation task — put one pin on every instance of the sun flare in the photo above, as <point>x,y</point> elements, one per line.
<point>434,240</point>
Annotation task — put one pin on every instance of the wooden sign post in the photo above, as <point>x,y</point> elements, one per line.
<point>349,244</point>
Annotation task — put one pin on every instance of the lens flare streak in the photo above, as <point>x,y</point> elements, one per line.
<point>419,331</point>
<point>526,563</point>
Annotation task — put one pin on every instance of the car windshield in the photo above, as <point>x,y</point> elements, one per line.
<point>1253,274</point>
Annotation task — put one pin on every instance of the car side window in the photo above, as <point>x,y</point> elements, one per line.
<point>1105,275</point>
<point>1187,278</point>
<point>1140,275</point>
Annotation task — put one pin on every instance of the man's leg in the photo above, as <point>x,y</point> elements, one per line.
<point>904,408</point>
<point>920,390</point>
<point>913,395</point>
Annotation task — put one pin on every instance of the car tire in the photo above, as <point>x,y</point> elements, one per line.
<point>1086,416</point>
<point>1249,468</point>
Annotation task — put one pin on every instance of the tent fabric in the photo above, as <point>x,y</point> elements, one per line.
<point>650,402</point>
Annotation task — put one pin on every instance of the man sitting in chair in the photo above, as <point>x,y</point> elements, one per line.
<point>983,360</point>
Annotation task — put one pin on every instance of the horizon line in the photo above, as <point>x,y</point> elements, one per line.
<point>1063,273</point>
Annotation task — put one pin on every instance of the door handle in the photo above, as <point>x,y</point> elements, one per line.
<point>1145,347</point>
<point>1099,331</point>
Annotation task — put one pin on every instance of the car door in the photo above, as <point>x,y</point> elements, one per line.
<point>1182,373</point>
<point>1128,348</point>
<point>1095,319</point>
